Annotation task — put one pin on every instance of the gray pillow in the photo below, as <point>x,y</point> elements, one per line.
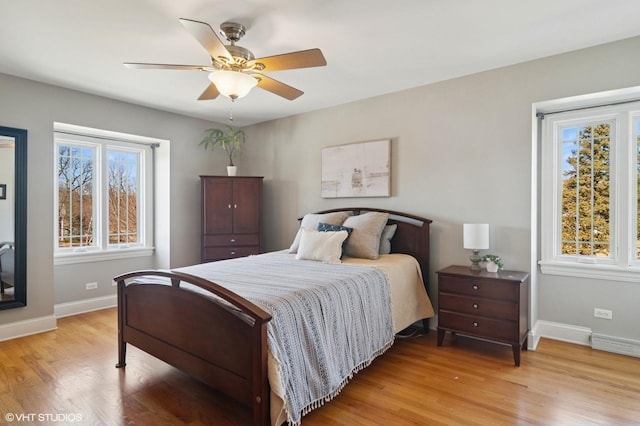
<point>364,241</point>
<point>385,239</point>
<point>311,221</point>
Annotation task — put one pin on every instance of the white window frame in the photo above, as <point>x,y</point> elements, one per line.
<point>622,264</point>
<point>102,140</point>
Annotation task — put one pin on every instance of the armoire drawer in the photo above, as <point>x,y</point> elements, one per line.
<point>231,240</point>
<point>211,254</point>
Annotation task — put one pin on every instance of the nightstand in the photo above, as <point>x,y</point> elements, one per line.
<point>491,306</point>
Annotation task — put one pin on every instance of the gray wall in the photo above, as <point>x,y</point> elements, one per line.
<point>461,152</point>
<point>35,106</point>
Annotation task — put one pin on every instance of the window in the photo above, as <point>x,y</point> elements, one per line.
<point>103,194</point>
<point>590,218</point>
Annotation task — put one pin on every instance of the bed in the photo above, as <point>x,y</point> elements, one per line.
<point>209,321</point>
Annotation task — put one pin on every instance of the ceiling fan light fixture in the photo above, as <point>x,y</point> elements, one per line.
<point>232,84</point>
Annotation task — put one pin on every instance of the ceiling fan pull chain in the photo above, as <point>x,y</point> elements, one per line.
<point>231,113</point>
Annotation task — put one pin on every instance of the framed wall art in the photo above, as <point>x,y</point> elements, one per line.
<point>360,169</point>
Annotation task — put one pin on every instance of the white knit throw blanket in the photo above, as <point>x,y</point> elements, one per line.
<point>329,321</point>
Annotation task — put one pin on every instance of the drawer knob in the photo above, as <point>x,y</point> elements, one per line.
<point>233,240</point>
<point>475,286</point>
<point>475,306</point>
<point>475,323</point>
<point>233,252</point>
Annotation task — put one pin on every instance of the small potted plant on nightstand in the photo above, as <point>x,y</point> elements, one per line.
<point>230,140</point>
<point>492,262</point>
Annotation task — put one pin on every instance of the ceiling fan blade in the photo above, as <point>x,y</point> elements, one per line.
<point>207,38</point>
<point>276,87</point>
<point>302,59</point>
<point>211,92</point>
<point>138,65</point>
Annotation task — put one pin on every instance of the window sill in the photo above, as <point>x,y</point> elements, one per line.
<point>99,256</point>
<point>598,272</point>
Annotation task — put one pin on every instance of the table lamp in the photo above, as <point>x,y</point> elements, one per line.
<point>476,238</point>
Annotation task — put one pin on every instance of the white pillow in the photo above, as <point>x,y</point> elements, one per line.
<point>322,246</point>
<point>364,241</point>
<point>311,221</point>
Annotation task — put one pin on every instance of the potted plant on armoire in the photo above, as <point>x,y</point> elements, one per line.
<point>229,140</point>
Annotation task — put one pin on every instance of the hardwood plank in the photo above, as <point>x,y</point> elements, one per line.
<point>466,381</point>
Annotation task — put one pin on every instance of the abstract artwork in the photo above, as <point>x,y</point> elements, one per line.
<point>360,169</point>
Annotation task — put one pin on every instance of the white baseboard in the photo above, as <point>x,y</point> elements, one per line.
<point>27,327</point>
<point>48,323</point>
<point>557,331</point>
<point>615,344</point>
<point>62,310</point>
<point>551,330</point>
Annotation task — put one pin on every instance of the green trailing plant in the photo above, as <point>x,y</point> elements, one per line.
<point>493,258</point>
<point>230,140</point>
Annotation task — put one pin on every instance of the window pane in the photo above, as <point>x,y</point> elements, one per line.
<point>124,172</point>
<point>585,153</point>
<point>75,196</point>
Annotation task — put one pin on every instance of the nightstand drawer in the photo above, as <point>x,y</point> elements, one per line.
<point>479,287</point>
<point>478,306</point>
<point>478,326</point>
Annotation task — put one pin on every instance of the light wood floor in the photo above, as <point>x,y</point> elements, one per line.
<point>7,295</point>
<point>69,375</point>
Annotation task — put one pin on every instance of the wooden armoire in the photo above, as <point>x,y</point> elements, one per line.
<point>231,217</point>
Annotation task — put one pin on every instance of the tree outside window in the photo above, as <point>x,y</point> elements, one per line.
<point>75,196</point>
<point>123,196</point>
<point>586,189</point>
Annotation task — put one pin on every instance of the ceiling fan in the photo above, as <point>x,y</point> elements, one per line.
<point>234,70</point>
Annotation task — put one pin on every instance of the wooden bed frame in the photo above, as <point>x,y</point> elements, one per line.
<point>211,343</point>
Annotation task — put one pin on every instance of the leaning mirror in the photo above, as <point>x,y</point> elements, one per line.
<point>13,217</point>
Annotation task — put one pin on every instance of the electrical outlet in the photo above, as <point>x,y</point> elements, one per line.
<point>603,313</point>
<point>91,286</point>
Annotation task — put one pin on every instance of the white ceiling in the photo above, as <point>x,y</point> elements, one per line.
<point>372,47</point>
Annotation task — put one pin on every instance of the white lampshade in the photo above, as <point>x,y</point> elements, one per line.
<point>476,236</point>
<point>232,84</point>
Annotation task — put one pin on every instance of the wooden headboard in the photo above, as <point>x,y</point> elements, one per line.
<point>411,237</point>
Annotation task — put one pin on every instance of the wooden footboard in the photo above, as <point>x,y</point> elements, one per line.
<point>197,334</point>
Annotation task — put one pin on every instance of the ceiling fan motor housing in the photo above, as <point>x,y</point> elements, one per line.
<point>240,54</point>
<point>232,31</point>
